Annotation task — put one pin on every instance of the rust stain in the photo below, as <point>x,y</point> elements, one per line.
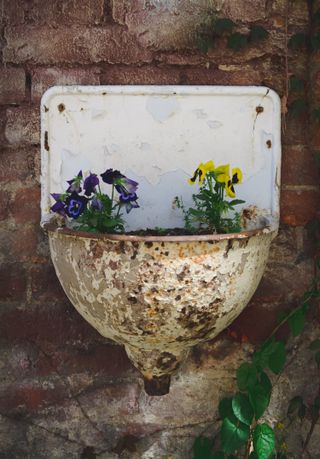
<point>269,143</point>
<point>61,108</point>
<point>46,142</point>
<point>259,109</point>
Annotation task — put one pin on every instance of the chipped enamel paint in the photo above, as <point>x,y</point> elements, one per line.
<point>159,297</point>
<point>158,135</point>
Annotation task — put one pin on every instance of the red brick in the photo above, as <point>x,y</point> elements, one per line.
<point>298,166</point>
<point>42,79</point>
<point>74,44</point>
<point>140,75</point>
<point>45,285</point>
<point>23,243</point>
<point>13,282</point>
<point>21,165</point>
<point>23,126</point>
<point>54,12</point>
<point>5,197</point>
<point>242,76</point>
<point>26,205</point>
<point>299,207</point>
<point>12,85</point>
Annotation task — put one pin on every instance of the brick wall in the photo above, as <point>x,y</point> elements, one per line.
<point>64,389</point>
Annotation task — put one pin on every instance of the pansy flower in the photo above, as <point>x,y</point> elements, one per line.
<point>201,172</point>
<point>75,205</point>
<point>97,204</point>
<point>129,200</point>
<point>223,176</point>
<point>110,176</point>
<point>75,184</point>
<point>90,184</point>
<point>59,206</point>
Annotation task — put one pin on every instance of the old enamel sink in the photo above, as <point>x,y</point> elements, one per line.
<point>160,295</point>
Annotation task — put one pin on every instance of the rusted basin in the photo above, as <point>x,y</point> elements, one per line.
<point>159,296</point>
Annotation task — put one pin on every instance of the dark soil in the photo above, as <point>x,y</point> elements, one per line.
<point>168,232</point>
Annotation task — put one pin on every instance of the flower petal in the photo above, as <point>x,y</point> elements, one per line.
<point>236,175</point>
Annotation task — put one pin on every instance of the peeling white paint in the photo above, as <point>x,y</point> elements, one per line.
<point>159,134</point>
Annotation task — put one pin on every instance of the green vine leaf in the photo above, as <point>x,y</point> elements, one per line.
<point>223,25</point>
<point>225,408</point>
<point>202,448</point>
<point>315,345</point>
<point>296,84</point>
<point>237,41</point>
<point>217,455</point>
<point>298,40</point>
<point>233,435</point>
<point>258,33</point>
<point>315,42</point>
<point>297,321</point>
<point>298,107</point>
<point>242,408</point>
<point>316,114</point>
<point>263,441</point>
<point>246,376</point>
<point>278,358</point>
<point>253,455</point>
<point>259,399</point>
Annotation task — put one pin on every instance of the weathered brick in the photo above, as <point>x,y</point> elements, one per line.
<point>298,166</point>
<point>23,243</point>
<point>298,207</point>
<point>225,75</point>
<point>26,205</point>
<point>140,75</point>
<point>45,285</point>
<point>19,165</point>
<point>44,78</point>
<point>244,11</point>
<point>5,197</point>
<point>54,12</point>
<point>23,126</point>
<point>74,44</point>
<point>13,282</point>
<point>12,85</point>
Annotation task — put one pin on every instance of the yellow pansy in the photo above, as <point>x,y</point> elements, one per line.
<point>201,171</point>
<point>236,175</point>
<point>222,173</point>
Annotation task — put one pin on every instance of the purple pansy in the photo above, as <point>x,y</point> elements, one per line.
<point>96,204</point>
<point>59,206</point>
<point>75,205</point>
<point>129,200</point>
<point>90,184</point>
<point>75,184</point>
<point>110,176</point>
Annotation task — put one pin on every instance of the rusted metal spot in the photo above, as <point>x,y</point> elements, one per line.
<point>228,248</point>
<point>269,143</point>
<point>46,109</point>
<point>61,107</point>
<point>157,386</point>
<point>259,109</point>
<point>46,142</point>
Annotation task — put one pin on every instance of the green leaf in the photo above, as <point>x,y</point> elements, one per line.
<point>235,202</point>
<point>237,41</point>
<point>225,408</point>
<point>296,322</point>
<point>296,84</point>
<point>258,33</point>
<point>298,40</point>
<point>259,399</point>
<point>253,455</point>
<point>263,440</point>
<point>261,357</point>
<point>246,376</point>
<point>298,107</point>
<point>265,382</point>
<point>217,455</point>
<point>278,358</point>
<point>233,435</point>
<point>295,405</point>
<point>316,114</point>
<point>315,345</point>
<point>242,408</point>
<point>202,448</point>
<point>223,25</point>
<point>315,42</point>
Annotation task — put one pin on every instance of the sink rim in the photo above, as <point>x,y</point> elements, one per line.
<point>51,227</point>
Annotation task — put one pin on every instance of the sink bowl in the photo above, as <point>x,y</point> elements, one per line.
<point>159,296</point>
